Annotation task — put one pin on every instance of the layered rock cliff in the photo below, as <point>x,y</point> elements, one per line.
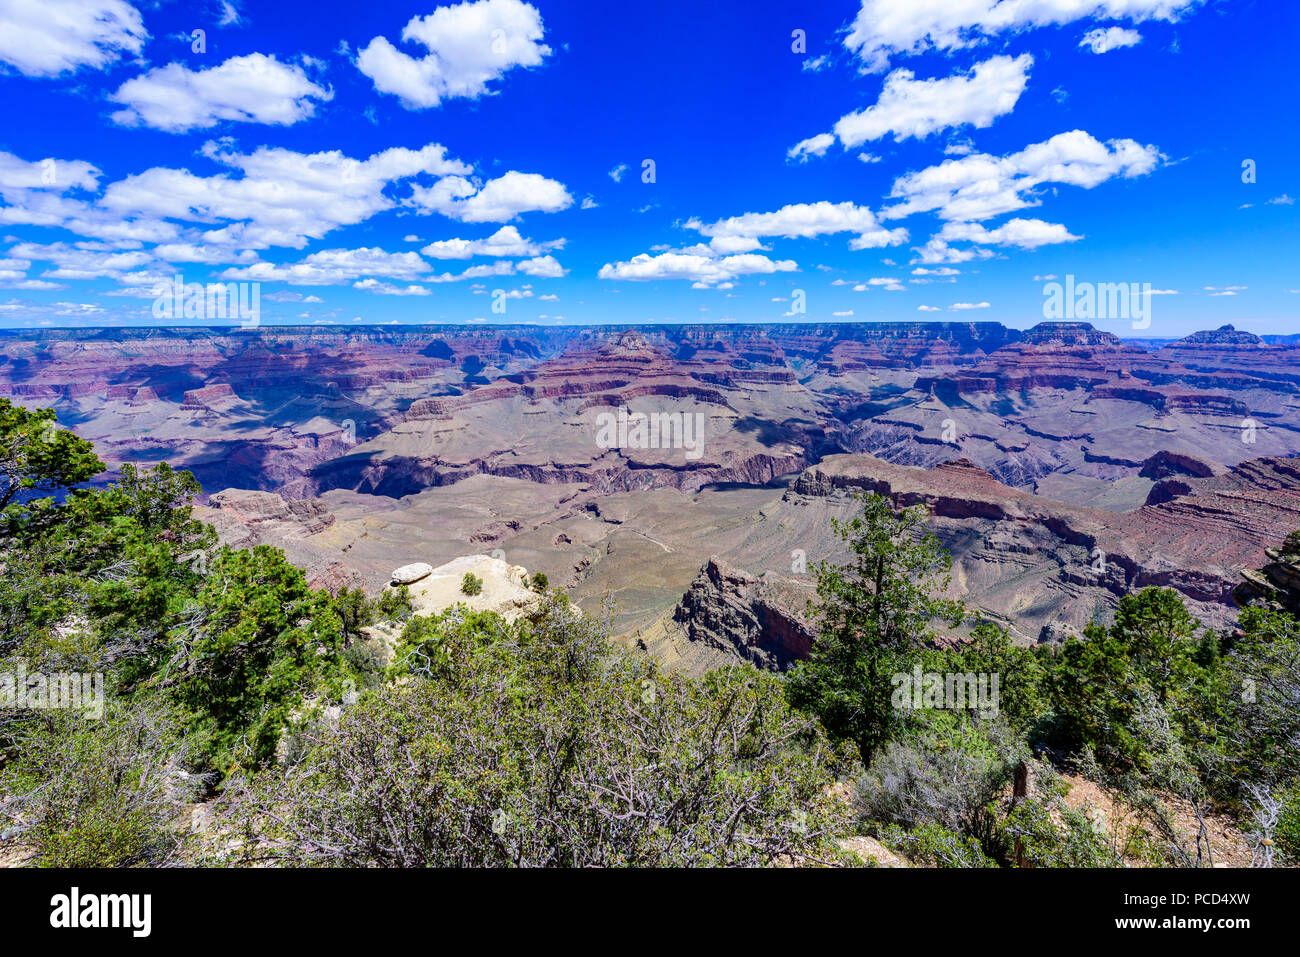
<point>759,620</point>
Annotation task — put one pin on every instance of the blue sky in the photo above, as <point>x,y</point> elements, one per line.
<point>896,160</point>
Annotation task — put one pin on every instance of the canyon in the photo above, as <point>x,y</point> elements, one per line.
<point>1063,466</point>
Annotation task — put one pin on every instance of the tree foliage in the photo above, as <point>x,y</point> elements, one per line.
<point>37,458</point>
<point>875,615</point>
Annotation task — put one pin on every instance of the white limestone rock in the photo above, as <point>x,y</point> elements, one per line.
<point>409,574</point>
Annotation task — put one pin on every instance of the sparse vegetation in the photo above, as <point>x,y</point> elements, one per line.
<point>100,793</point>
<point>526,744</point>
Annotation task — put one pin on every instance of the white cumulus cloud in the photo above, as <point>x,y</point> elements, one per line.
<point>813,146</point>
<point>884,29</point>
<point>1111,38</point>
<point>806,221</point>
<point>49,37</point>
<point>247,89</point>
<point>696,264</point>
<point>506,241</point>
<point>334,266</point>
<point>1020,233</point>
<point>908,107</point>
<point>281,197</point>
<point>468,45</point>
<point>389,289</point>
<point>496,201</point>
<point>1024,233</point>
<point>543,267</point>
<point>979,186</point>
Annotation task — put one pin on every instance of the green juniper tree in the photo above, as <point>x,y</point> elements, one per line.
<point>1150,650</point>
<point>875,617</point>
<point>37,458</point>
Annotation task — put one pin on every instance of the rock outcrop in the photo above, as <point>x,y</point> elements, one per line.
<point>1166,464</point>
<point>1277,584</point>
<point>244,518</point>
<point>505,588</point>
<point>756,619</point>
<point>267,514</point>
<point>412,573</point>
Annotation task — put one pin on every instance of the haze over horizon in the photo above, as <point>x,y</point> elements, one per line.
<point>281,327</point>
<point>891,161</point>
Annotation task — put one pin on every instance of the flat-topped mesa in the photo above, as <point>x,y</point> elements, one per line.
<point>964,469</point>
<point>443,407</point>
<point>909,345</point>
<point>212,395</point>
<point>1225,335</point>
<point>1170,398</point>
<point>132,395</point>
<point>1051,355</point>
<point>674,390</point>
<point>254,509</point>
<point>1068,345</point>
<point>1235,358</point>
<point>955,488</point>
<point>1069,334</point>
